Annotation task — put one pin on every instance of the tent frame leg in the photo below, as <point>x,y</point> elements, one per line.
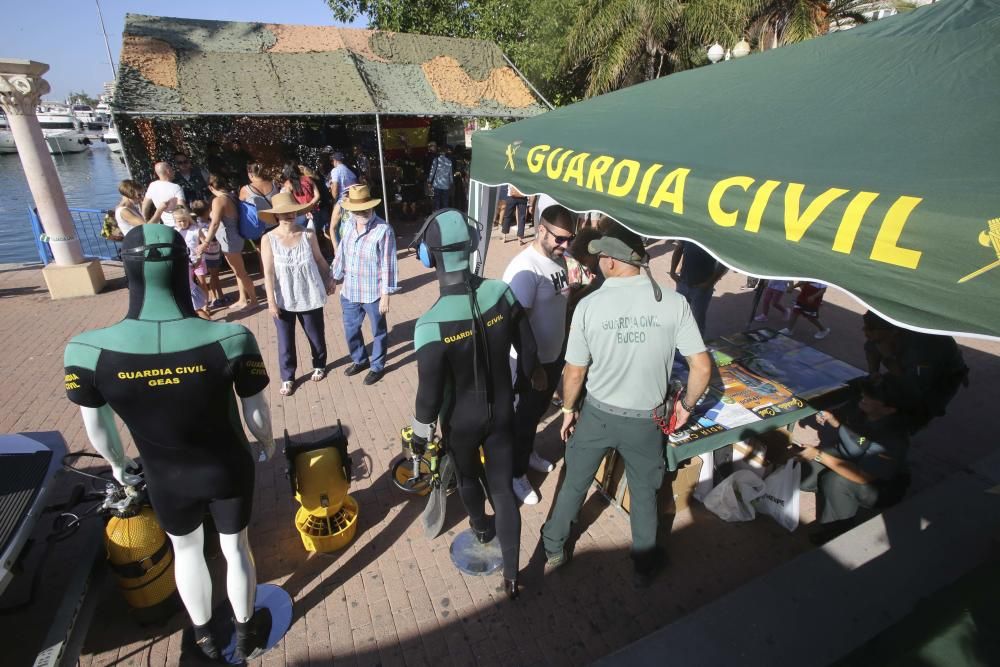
<point>386,197</point>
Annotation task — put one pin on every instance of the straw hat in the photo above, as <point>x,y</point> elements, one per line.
<point>359,199</point>
<point>284,202</point>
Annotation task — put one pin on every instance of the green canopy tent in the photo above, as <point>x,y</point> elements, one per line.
<point>868,159</point>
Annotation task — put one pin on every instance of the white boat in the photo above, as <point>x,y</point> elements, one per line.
<point>62,133</point>
<point>90,118</point>
<point>103,113</point>
<point>6,138</point>
<point>7,142</point>
<point>112,139</point>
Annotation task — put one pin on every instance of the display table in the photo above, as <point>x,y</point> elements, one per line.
<point>763,381</point>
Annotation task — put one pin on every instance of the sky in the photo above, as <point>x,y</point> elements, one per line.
<point>66,34</point>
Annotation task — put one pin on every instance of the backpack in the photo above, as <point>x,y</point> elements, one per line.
<point>251,227</point>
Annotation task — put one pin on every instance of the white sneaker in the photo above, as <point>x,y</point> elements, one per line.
<point>760,318</point>
<point>820,335</point>
<point>540,464</point>
<point>523,490</point>
<point>786,331</point>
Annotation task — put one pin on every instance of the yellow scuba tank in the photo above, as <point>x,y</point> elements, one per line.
<point>139,553</point>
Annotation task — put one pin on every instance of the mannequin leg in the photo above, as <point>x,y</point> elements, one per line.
<point>194,583</point>
<point>241,574</point>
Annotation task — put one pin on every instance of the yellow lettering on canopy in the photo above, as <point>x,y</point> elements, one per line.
<point>795,224</point>
<point>760,199</point>
<point>574,170</point>
<point>715,211</point>
<point>555,172</point>
<point>619,187</point>
<point>851,223</point>
<point>885,248</point>
<point>647,178</point>
<point>598,167</point>
<point>675,196</point>
<point>536,161</point>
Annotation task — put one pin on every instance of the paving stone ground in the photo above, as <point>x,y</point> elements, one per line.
<point>392,597</point>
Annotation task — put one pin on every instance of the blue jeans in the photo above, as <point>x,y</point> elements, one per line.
<point>698,299</point>
<point>354,315</point>
<point>517,207</point>
<point>441,198</point>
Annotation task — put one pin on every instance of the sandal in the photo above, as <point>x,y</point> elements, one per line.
<point>287,388</point>
<point>318,374</point>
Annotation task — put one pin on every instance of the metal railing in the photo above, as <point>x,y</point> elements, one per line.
<point>87,223</point>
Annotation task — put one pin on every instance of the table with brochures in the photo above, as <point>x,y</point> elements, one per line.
<point>762,381</point>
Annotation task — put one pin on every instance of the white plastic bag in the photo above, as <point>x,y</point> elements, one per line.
<point>780,499</point>
<point>731,499</point>
<point>705,477</point>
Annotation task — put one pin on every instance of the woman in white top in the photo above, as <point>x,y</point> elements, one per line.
<point>297,281</point>
<point>128,213</point>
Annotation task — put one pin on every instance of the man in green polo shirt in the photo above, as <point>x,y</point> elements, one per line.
<point>622,341</point>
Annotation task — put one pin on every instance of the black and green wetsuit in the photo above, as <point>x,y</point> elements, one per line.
<point>472,398</point>
<point>170,376</point>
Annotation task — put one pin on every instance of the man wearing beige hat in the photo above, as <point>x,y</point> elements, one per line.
<point>622,342</point>
<point>366,263</point>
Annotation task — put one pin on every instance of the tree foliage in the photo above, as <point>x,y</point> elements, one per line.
<point>572,48</point>
<point>780,22</point>
<point>80,97</point>
<point>530,32</point>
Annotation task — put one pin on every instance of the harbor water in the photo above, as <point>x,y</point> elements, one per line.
<point>90,180</point>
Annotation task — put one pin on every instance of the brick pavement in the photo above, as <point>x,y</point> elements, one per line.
<point>391,597</point>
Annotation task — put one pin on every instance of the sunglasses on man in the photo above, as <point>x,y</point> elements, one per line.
<point>558,238</point>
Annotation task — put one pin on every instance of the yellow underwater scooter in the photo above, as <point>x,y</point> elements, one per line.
<point>320,476</point>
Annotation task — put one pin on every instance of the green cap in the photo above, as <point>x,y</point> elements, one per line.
<point>626,246</point>
<point>622,247</point>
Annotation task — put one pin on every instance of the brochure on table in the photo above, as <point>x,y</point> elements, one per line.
<point>759,374</point>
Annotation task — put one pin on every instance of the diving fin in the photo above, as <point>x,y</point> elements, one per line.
<point>437,500</point>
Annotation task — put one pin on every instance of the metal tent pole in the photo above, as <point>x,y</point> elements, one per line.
<point>381,167</point>
<point>111,60</point>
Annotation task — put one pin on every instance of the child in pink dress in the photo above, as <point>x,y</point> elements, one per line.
<point>774,292</point>
<point>211,259</point>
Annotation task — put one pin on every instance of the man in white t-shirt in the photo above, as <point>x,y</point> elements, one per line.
<point>538,278</point>
<point>163,191</point>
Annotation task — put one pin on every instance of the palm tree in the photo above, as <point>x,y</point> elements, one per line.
<point>775,23</point>
<point>622,41</point>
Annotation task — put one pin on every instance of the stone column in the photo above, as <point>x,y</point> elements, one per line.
<point>21,89</point>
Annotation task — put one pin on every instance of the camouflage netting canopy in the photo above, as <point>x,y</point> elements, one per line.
<point>172,66</point>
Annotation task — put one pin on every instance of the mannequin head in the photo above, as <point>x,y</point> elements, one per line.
<point>446,245</point>
<point>156,264</point>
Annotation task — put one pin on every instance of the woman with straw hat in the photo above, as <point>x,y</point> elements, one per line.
<point>297,281</point>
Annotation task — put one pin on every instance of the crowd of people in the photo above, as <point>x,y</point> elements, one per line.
<point>576,293</point>
<point>321,223</point>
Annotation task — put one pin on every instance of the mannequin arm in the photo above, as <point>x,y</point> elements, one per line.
<point>257,416</point>
<point>103,434</point>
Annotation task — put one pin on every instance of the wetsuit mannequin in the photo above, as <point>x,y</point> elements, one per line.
<point>464,379</point>
<point>171,377</point>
